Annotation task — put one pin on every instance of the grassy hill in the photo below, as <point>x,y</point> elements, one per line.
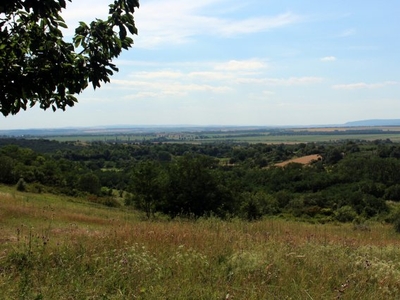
<point>55,247</point>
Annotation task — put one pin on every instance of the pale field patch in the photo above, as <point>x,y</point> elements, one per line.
<point>304,160</point>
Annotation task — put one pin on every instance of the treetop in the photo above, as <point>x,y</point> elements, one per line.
<point>37,65</point>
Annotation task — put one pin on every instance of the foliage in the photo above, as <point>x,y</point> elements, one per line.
<point>192,188</point>
<point>6,170</point>
<point>393,193</point>
<point>147,186</point>
<point>396,225</point>
<point>90,183</point>
<point>345,214</point>
<point>198,180</point>
<point>254,206</point>
<point>37,65</point>
<point>21,185</point>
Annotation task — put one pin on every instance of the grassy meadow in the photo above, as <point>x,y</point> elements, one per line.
<point>53,247</point>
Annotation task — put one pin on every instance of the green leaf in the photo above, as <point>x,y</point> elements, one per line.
<point>132,29</point>
<point>62,24</point>
<point>122,32</point>
<point>41,63</point>
<point>77,40</point>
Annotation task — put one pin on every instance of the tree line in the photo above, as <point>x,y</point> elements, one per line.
<point>353,180</point>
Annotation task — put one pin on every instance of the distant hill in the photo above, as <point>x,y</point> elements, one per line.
<point>375,122</point>
<point>138,129</point>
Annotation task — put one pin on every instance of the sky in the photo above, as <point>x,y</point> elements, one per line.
<point>231,62</point>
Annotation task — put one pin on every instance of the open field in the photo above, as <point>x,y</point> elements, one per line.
<point>304,160</point>
<point>262,138</point>
<point>59,248</point>
<point>216,134</point>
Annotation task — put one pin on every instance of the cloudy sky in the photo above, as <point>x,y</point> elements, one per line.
<point>253,62</point>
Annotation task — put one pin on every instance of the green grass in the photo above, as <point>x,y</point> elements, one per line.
<point>53,247</point>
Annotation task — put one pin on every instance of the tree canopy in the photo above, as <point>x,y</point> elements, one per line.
<point>38,65</point>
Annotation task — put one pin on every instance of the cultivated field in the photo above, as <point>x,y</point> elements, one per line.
<point>237,135</point>
<point>60,248</point>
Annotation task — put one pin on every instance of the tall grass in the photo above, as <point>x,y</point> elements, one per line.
<point>53,248</point>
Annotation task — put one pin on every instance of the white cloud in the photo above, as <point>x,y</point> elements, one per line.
<point>252,25</point>
<point>291,81</point>
<point>196,71</point>
<point>160,88</point>
<point>177,21</point>
<point>328,58</point>
<point>159,74</point>
<point>363,85</point>
<point>141,95</point>
<point>205,79</point>
<point>236,65</point>
<point>215,77</point>
<point>211,75</point>
<point>174,22</point>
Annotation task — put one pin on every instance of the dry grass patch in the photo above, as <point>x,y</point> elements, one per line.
<point>122,257</point>
<point>304,160</point>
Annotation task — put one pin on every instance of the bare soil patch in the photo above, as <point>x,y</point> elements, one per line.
<point>304,160</point>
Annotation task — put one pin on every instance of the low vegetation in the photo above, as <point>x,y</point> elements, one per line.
<point>199,221</point>
<point>64,248</point>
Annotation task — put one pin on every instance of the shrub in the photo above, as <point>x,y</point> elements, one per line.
<point>37,188</point>
<point>345,214</point>
<point>393,193</point>
<point>21,185</point>
<point>251,209</point>
<point>396,224</point>
<point>107,201</point>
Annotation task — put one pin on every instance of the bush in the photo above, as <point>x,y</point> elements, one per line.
<point>345,214</point>
<point>251,209</point>
<point>21,185</point>
<point>107,201</point>
<point>393,193</point>
<point>394,217</point>
<point>254,206</point>
<point>37,188</point>
<point>396,224</point>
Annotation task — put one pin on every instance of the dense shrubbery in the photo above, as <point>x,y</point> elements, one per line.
<point>215,179</point>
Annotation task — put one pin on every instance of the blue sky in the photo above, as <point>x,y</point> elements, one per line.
<point>254,62</point>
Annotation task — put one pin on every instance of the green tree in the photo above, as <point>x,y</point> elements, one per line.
<point>333,156</point>
<point>254,206</point>
<point>192,188</point>
<point>38,66</point>
<point>6,169</point>
<point>147,186</point>
<point>90,183</point>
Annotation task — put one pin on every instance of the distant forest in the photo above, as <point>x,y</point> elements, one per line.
<point>352,180</point>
